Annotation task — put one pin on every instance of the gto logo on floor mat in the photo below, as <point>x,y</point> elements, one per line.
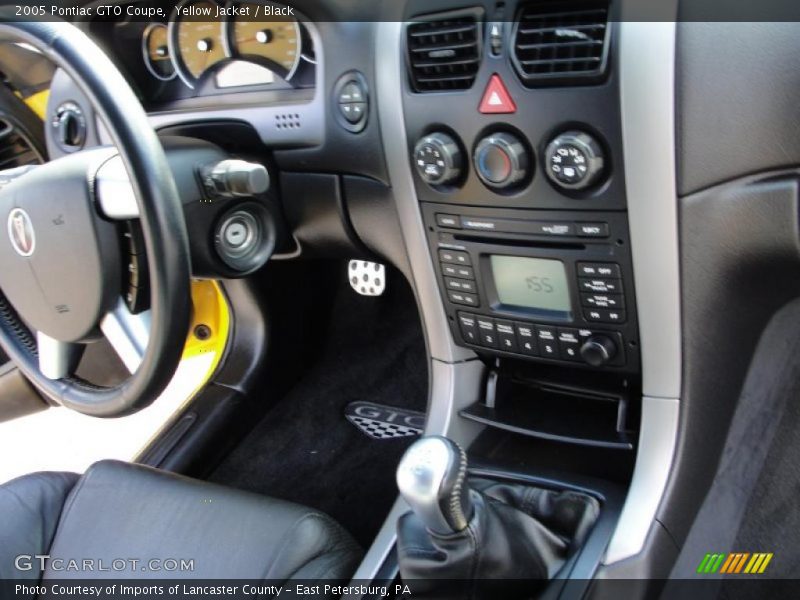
<point>384,422</point>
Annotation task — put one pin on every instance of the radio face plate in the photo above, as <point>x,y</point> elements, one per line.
<point>594,251</point>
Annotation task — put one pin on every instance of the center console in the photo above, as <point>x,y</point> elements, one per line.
<point>514,147</point>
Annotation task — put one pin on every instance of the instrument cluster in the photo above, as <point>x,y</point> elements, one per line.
<point>214,44</point>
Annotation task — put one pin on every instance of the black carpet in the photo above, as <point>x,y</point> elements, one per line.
<point>304,450</point>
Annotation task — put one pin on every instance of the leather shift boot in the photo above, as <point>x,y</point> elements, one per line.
<point>519,538</point>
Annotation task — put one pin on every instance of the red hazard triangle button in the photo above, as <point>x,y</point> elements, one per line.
<point>496,99</point>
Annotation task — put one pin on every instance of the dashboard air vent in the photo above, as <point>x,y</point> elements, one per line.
<point>444,51</point>
<point>15,149</point>
<point>561,42</point>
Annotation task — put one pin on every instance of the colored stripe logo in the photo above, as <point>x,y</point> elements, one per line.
<point>734,563</point>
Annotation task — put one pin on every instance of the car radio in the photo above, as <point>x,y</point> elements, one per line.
<point>538,285</point>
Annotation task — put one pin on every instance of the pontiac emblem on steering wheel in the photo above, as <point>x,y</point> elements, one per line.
<point>20,230</point>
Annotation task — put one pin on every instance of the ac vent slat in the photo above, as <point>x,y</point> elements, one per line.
<point>561,42</point>
<point>15,149</point>
<point>444,51</point>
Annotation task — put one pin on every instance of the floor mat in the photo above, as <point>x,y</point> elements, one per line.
<point>306,451</point>
<point>384,422</point>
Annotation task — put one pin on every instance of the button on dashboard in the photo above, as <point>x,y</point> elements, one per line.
<point>448,221</point>
<point>454,257</point>
<point>461,285</point>
<point>569,344</point>
<point>462,298</point>
<point>507,339</point>
<point>596,230</point>
<point>547,341</point>
<point>486,332</point>
<point>603,300</point>
<point>600,286</point>
<point>458,271</point>
<point>603,315</point>
<point>598,270</point>
<point>526,338</point>
<point>469,328</point>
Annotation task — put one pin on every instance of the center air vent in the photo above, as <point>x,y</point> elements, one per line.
<point>444,51</point>
<point>561,42</point>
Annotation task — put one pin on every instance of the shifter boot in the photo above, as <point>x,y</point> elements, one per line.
<point>518,538</point>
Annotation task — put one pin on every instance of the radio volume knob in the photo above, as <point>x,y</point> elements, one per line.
<point>598,350</point>
<point>438,159</point>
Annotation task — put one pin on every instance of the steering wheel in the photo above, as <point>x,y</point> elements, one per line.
<point>61,255</point>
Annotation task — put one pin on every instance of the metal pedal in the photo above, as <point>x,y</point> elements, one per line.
<point>367,278</point>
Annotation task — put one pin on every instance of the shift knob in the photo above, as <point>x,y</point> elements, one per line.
<point>432,480</point>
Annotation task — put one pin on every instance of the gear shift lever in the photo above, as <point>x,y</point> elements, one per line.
<point>432,479</point>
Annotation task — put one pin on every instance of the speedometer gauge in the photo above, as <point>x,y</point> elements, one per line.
<point>274,44</point>
<point>196,40</point>
<point>155,51</point>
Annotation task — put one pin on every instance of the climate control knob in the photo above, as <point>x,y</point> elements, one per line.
<point>598,350</point>
<point>574,160</point>
<point>501,160</point>
<point>438,159</point>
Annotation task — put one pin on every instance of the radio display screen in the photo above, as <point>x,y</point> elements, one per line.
<point>532,283</point>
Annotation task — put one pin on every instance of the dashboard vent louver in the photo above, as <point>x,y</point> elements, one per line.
<point>15,149</point>
<point>561,42</point>
<point>444,52</point>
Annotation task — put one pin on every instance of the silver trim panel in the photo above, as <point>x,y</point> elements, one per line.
<point>56,359</point>
<point>114,192</point>
<point>389,95</point>
<point>127,333</point>
<point>647,90</point>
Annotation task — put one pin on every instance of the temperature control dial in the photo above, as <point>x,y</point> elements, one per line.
<point>501,160</point>
<point>438,159</point>
<point>574,160</point>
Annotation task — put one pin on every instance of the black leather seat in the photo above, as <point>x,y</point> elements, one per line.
<point>121,511</point>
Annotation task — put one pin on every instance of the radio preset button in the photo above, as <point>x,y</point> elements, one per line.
<point>526,337</point>
<point>569,345</point>
<point>608,270</point>
<point>600,286</point>
<point>469,328</point>
<point>454,257</point>
<point>506,336</point>
<point>462,298</point>
<point>460,284</point>
<point>486,332</point>
<point>547,342</point>
<point>603,300</point>
<point>448,221</point>
<point>603,315</point>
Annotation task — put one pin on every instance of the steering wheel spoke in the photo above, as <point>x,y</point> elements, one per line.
<point>127,333</point>
<point>114,191</point>
<point>57,359</point>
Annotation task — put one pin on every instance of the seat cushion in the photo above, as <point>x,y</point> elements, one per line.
<point>123,511</point>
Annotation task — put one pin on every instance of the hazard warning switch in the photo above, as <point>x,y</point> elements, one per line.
<point>496,99</point>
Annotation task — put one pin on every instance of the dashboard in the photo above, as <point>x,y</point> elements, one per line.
<point>204,48</point>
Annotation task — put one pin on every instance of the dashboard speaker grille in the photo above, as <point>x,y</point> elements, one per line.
<point>444,51</point>
<point>557,42</point>
<point>15,149</point>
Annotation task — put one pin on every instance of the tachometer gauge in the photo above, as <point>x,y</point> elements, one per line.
<point>196,40</point>
<point>274,44</point>
<point>155,51</point>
